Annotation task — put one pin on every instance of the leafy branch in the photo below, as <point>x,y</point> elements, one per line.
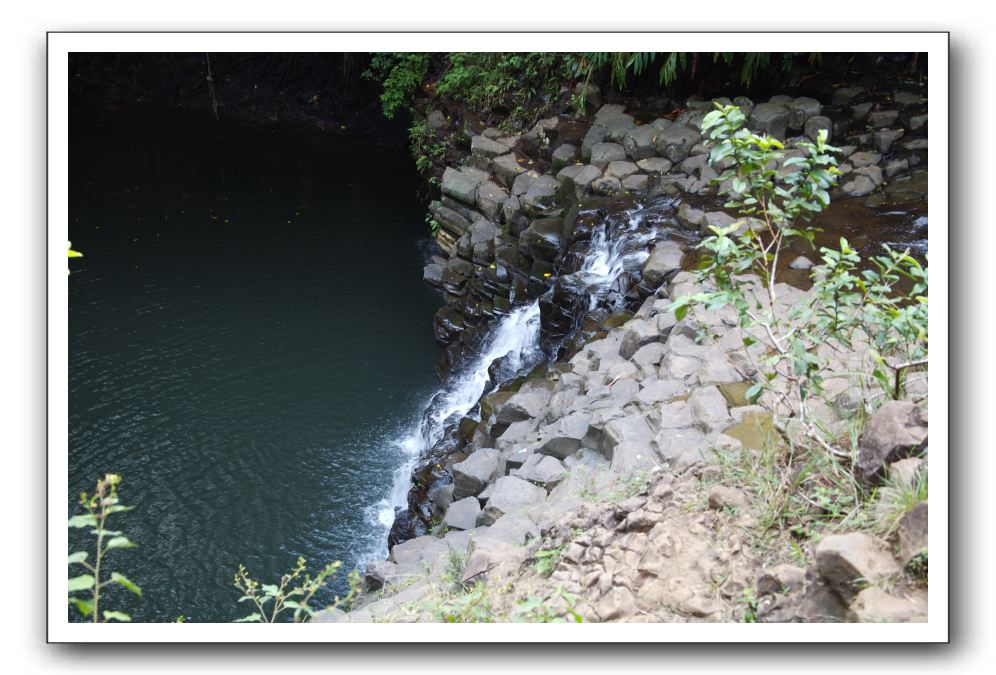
<point>295,592</point>
<point>99,507</point>
<point>793,347</point>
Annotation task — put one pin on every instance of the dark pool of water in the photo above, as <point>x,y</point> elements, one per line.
<point>249,336</point>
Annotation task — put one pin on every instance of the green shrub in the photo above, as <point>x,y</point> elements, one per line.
<point>295,592</point>
<point>849,308</point>
<point>401,74</point>
<point>99,507</point>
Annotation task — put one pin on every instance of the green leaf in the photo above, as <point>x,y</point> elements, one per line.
<point>116,616</point>
<point>252,617</point>
<point>83,582</point>
<point>680,312</point>
<point>753,393</point>
<point>119,578</point>
<point>120,542</point>
<point>118,508</point>
<point>77,557</point>
<point>86,520</point>
<point>270,589</point>
<point>85,607</point>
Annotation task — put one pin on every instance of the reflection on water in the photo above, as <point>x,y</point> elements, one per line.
<point>249,333</point>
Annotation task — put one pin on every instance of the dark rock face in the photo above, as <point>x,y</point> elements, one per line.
<point>675,143</point>
<point>848,560</point>
<point>897,430</point>
<point>769,118</point>
<point>543,239</point>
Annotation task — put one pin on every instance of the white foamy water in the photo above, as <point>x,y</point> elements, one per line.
<point>617,245</point>
<point>515,336</point>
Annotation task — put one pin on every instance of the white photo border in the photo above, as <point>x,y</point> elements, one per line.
<point>61,44</point>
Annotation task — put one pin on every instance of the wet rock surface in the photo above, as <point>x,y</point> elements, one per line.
<point>619,437</point>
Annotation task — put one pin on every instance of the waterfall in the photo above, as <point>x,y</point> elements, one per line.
<point>618,245</point>
<point>516,336</point>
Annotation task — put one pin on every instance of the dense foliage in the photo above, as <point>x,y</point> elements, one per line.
<point>852,309</point>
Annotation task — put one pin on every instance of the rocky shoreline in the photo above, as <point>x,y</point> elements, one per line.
<point>611,479</point>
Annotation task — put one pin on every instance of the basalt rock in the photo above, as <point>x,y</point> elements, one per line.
<point>897,430</point>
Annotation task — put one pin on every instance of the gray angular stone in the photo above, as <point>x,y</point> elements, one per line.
<point>769,118</point>
<point>564,154</point>
<point>676,142</point>
<point>859,186</point>
<point>726,497</point>
<point>848,561</point>
<point>885,138</point>
<point>664,260</point>
<point>510,495</point>
<point>681,447</point>
<point>513,529</point>
<point>521,182</point>
<point>873,173</point>
<point>659,391</point>
<point>630,457</point>
<point>541,195</point>
<point>845,95</point>
<point>607,186</point>
<point>436,119</point>
<point>462,184</point>
<point>709,409</point>
<point>801,263</point>
<point>462,514</point>
<point>874,605</point>
<point>715,219</point>
<point>690,218</point>
<point>861,110</point>
<point>638,182</point>
<point>448,219</point>
<point>543,239</point>
<point>595,135</point>
<point>568,435</point>
<point>912,533</point>
<point>486,147</point>
<point>717,369</point>
<point>580,177</point>
<point>655,166</point>
<point>492,559</point>
<point>411,551</point>
<point>617,126</point>
<point>897,430</point>
<point>490,198</point>
<point>781,579</point>
<point>473,474</point>
<point>547,471</point>
<point>627,429</point>
<point>639,143</point>
<point>620,169</point>
<point>603,153</point>
<point>638,332</point>
<point>674,415</point>
<point>506,168</point>
<point>865,158</point>
<point>525,405</point>
<point>896,166</point>
<point>816,124</point>
<point>883,118</point>
<point>801,109</point>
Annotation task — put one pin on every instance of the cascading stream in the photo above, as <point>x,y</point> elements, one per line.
<point>617,246</point>
<point>516,336</point>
